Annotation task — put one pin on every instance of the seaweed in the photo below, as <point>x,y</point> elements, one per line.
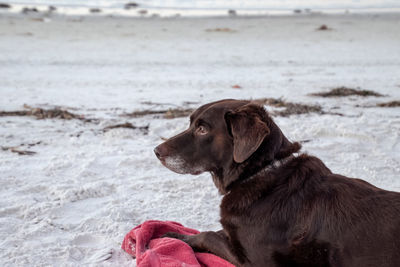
<point>345,91</point>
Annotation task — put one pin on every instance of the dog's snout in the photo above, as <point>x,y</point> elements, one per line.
<point>160,151</point>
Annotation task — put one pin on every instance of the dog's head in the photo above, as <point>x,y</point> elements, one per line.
<point>223,138</point>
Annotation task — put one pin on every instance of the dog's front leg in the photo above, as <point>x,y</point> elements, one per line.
<point>216,243</point>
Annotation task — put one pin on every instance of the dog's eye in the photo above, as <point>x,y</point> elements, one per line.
<point>201,130</point>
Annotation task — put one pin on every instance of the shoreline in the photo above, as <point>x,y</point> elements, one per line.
<point>168,12</point>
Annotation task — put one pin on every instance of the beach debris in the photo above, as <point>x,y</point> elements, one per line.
<point>391,104</point>
<point>232,12</point>
<point>4,5</point>
<point>191,102</point>
<point>41,19</point>
<point>289,107</point>
<point>300,11</point>
<point>166,113</point>
<point>323,27</point>
<point>177,113</point>
<point>27,10</point>
<point>220,30</point>
<point>160,104</point>
<point>128,125</point>
<point>151,103</point>
<point>25,34</point>
<point>95,10</point>
<point>18,151</point>
<point>41,113</point>
<point>304,141</point>
<point>345,91</point>
<point>142,113</point>
<point>22,152</point>
<point>142,12</point>
<point>51,8</point>
<point>131,5</point>
<point>236,86</point>
<point>31,144</point>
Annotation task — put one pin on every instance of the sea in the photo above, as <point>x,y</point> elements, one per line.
<point>210,7</point>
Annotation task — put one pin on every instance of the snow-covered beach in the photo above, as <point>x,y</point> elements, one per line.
<point>73,200</point>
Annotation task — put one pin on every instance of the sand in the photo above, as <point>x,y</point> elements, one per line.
<point>73,200</point>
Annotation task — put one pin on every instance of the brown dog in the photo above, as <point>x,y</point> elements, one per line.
<point>279,209</point>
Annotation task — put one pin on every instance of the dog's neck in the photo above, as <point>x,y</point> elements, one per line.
<point>224,180</point>
<point>273,165</point>
<point>243,193</point>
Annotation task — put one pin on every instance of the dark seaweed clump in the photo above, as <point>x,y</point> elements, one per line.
<point>345,91</point>
<point>390,104</point>
<point>290,108</point>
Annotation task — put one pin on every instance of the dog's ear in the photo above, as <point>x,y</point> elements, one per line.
<point>247,129</point>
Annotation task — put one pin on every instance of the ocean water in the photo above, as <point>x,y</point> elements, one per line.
<point>221,4</point>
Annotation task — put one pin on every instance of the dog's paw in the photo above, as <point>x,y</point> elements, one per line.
<point>174,235</point>
<point>191,240</point>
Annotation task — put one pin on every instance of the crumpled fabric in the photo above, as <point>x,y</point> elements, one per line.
<point>144,243</point>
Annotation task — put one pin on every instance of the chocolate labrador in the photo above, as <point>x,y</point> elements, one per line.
<point>280,208</point>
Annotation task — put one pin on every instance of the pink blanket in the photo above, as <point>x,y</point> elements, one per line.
<point>144,243</point>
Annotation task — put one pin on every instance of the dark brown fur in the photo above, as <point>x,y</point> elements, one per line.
<point>295,214</point>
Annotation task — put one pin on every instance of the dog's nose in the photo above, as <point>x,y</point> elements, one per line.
<point>160,151</point>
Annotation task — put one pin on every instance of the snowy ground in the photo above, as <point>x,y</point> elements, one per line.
<point>73,201</point>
